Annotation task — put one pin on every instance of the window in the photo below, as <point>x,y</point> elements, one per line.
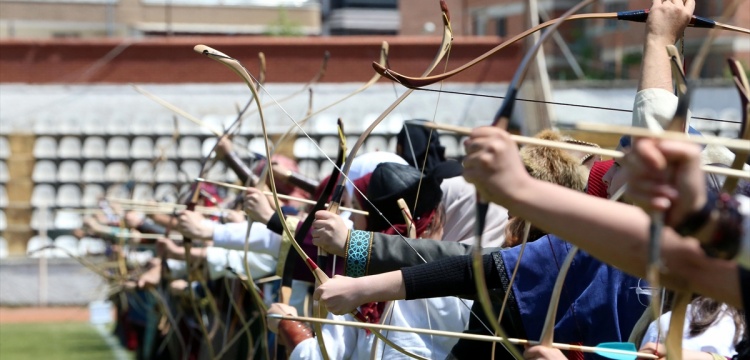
<point>501,26</point>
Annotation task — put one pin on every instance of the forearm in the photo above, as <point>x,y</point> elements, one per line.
<point>167,221</point>
<point>232,236</point>
<point>446,277</point>
<point>238,166</point>
<point>391,252</point>
<point>451,276</point>
<point>611,225</point>
<point>656,69</point>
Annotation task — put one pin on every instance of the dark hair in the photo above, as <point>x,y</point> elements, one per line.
<point>706,311</point>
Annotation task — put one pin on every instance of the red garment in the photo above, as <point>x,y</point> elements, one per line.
<point>421,222</point>
<point>595,184</point>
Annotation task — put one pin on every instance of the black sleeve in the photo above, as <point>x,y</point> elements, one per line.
<point>274,224</point>
<point>745,289</point>
<point>447,277</point>
<point>148,226</point>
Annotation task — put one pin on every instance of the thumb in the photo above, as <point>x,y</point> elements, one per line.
<point>323,215</point>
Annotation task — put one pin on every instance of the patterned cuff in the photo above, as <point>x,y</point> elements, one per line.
<point>358,249</point>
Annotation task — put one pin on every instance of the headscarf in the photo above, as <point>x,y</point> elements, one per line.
<point>459,202</point>
<point>413,139</point>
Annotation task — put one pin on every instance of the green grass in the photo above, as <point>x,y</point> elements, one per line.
<point>58,341</point>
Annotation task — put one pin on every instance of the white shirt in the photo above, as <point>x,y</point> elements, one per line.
<point>344,342</point>
<point>232,236</point>
<point>717,339</point>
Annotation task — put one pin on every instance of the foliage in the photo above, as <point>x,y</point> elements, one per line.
<point>283,26</point>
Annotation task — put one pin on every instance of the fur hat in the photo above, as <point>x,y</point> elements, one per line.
<point>553,165</point>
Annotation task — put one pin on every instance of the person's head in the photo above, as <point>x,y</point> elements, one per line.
<point>390,182</point>
<point>551,165</point>
<point>616,177</point>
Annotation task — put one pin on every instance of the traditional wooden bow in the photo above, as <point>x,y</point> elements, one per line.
<point>634,15</point>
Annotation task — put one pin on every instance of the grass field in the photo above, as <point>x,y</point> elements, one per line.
<point>53,341</point>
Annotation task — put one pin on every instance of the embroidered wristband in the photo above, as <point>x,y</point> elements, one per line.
<point>357,253</point>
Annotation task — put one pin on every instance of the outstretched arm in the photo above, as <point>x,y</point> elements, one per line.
<point>666,22</point>
<point>612,232</point>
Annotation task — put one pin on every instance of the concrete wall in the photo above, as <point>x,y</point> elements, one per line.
<point>290,60</point>
<point>68,283</point>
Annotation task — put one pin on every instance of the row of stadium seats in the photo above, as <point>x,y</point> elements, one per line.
<point>191,147</point>
<point>95,171</point>
<point>70,195</point>
<point>66,245</point>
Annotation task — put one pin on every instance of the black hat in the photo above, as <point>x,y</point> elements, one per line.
<point>390,182</point>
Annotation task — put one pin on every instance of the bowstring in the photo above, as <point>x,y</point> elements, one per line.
<point>560,103</point>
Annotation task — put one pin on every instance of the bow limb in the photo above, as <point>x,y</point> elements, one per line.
<point>368,84</point>
<point>502,120</point>
<point>636,16</point>
<point>319,75</point>
<point>445,46</point>
<point>334,208</point>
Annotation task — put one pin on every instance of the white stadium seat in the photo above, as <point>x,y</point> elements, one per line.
<point>142,148</point>
<point>93,171</point>
<point>143,192</point>
<point>69,148</point>
<point>191,168</point>
<point>69,171</point>
<point>44,171</point>
<point>3,197</point>
<point>4,174</point>
<point>45,147</point>
<point>43,195</point>
<point>116,172</point>
<point>41,218</point>
<point>118,148</point>
<point>67,220</point>
<point>142,170</point>
<point>91,246</point>
<point>166,171</point>
<point>166,145</point>
<point>66,245</point>
<point>190,147</point>
<point>4,148</point>
<point>69,195</point>
<point>94,147</point>
<point>36,243</point>
<point>91,195</point>
<point>3,248</point>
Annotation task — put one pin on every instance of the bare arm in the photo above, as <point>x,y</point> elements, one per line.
<point>666,22</point>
